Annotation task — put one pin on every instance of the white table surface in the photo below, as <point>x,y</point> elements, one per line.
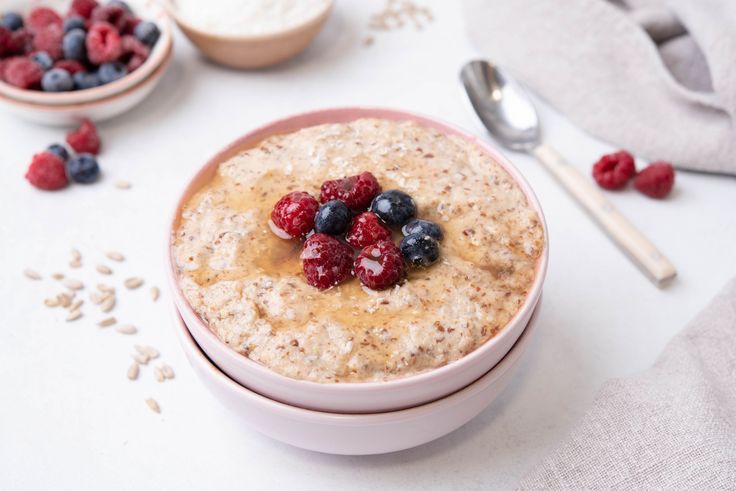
<point>69,418</point>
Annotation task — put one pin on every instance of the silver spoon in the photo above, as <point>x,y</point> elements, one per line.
<point>507,112</point>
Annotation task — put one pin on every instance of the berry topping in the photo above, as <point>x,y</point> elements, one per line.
<point>85,138</point>
<point>82,8</point>
<point>6,40</point>
<point>333,218</point>
<point>74,45</point>
<point>83,168</point>
<point>11,21</point>
<point>380,265</point>
<point>394,207</point>
<point>614,170</point>
<point>109,72</point>
<point>85,80</point>
<point>103,43</point>
<point>49,39</point>
<point>60,150</point>
<point>294,213</point>
<point>42,17</point>
<point>74,22</point>
<point>355,191</point>
<point>134,52</point>
<point>419,226</point>
<point>71,66</point>
<point>122,4</point>
<point>326,261</point>
<point>23,73</point>
<point>366,230</point>
<point>47,172</point>
<point>420,249</point>
<point>656,180</point>
<point>112,14</point>
<point>21,42</point>
<point>43,59</point>
<point>57,80</point>
<point>147,33</point>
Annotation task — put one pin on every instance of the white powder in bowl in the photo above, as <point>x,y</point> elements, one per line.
<point>248,17</point>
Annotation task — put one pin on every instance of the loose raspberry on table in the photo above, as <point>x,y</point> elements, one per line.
<point>50,39</point>
<point>23,73</point>
<point>614,170</point>
<point>656,180</point>
<point>326,261</point>
<point>42,17</point>
<point>82,8</point>
<point>103,43</point>
<point>355,191</point>
<point>294,213</point>
<point>71,66</point>
<point>85,138</point>
<point>47,172</point>
<point>366,229</point>
<point>380,266</point>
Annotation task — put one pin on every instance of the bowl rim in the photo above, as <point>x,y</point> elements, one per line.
<point>85,96</point>
<point>342,115</point>
<point>152,78</point>
<point>316,18</point>
<point>508,362</point>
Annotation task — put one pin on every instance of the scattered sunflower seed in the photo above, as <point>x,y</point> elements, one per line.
<point>133,283</point>
<point>155,293</point>
<point>31,274</point>
<point>74,315</point>
<point>141,359</point>
<point>73,284</point>
<point>133,371</point>
<point>97,298</point>
<point>153,405</point>
<point>75,306</point>
<point>159,374</point>
<point>149,351</point>
<point>108,304</point>
<point>51,302</point>
<point>126,329</point>
<point>74,263</point>
<point>106,322</point>
<point>122,184</point>
<point>167,371</point>
<point>102,269</point>
<point>115,256</point>
<point>65,300</point>
<point>105,288</point>
<point>57,276</point>
<point>76,255</point>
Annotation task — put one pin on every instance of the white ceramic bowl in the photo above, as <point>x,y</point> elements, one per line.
<point>354,434</point>
<point>99,110</point>
<point>147,10</point>
<point>353,397</point>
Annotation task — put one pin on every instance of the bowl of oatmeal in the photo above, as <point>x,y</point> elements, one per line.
<point>243,294</point>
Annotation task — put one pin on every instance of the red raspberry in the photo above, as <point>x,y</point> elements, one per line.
<point>614,170</point>
<point>135,53</point>
<point>42,17</point>
<point>112,14</point>
<point>83,8</point>
<point>49,39</point>
<point>47,172</point>
<point>294,213</point>
<point>355,191</point>
<point>326,261</point>
<point>6,39</point>
<point>71,66</point>
<point>23,73</point>
<point>366,229</point>
<point>103,43</point>
<point>21,42</point>
<point>380,265</point>
<point>130,22</point>
<point>84,139</point>
<point>656,180</point>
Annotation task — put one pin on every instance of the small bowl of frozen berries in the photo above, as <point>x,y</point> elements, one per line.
<point>69,52</point>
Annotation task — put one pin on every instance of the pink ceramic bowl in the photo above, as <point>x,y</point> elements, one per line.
<point>354,434</point>
<point>353,397</point>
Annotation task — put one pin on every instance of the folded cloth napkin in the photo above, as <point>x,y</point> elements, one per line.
<point>657,77</point>
<point>670,427</point>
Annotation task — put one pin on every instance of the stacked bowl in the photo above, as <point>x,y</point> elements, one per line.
<point>365,417</point>
<point>98,103</point>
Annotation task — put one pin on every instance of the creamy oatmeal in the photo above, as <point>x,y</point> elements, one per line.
<point>247,284</point>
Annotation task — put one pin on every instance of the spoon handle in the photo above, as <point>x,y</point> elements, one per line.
<point>629,239</point>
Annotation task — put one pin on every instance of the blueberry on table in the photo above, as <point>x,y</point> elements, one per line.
<point>11,21</point>
<point>74,22</point>
<point>59,150</point>
<point>83,168</point>
<point>43,59</point>
<point>420,249</point>
<point>86,80</point>
<point>419,226</point>
<point>332,218</point>
<point>394,207</point>
<point>147,32</point>
<point>74,45</point>
<point>109,72</point>
<point>57,80</point>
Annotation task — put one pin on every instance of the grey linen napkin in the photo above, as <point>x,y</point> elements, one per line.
<point>657,77</point>
<point>670,427</point>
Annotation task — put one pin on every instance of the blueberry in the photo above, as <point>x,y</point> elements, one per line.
<point>86,80</point>
<point>147,32</point>
<point>12,21</point>
<point>420,249</point>
<point>419,226</point>
<point>109,72</point>
<point>59,150</point>
<point>57,80</point>
<point>43,59</point>
<point>394,207</point>
<point>74,45</point>
<point>332,218</point>
<point>120,3</point>
<point>74,22</point>
<point>83,168</point>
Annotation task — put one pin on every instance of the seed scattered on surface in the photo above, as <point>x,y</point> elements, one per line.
<point>133,371</point>
<point>148,351</point>
<point>133,283</point>
<point>31,274</point>
<point>155,293</point>
<point>159,374</point>
<point>105,288</point>
<point>167,371</point>
<point>51,302</point>
<point>76,255</point>
<point>115,256</point>
<point>65,300</point>
<point>107,322</point>
<point>73,284</point>
<point>74,315</point>
<point>57,276</point>
<point>141,359</point>
<point>97,298</point>
<point>75,264</point>
<point>122,184</point>
<point>102,269</point>
<point>75,306</point>
<point>126,329</point>
<point>108,304</point>
<point>153,405</point>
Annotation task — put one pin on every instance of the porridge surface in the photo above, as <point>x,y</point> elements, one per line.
<point>247,284</point>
